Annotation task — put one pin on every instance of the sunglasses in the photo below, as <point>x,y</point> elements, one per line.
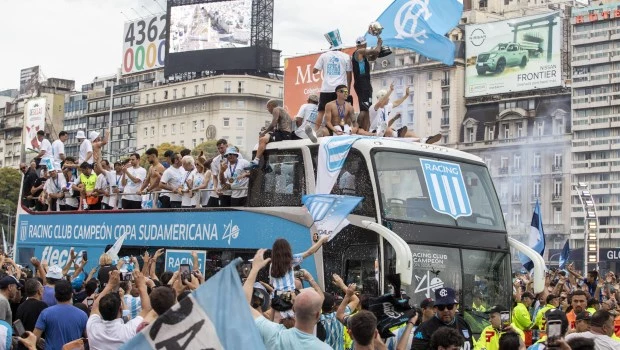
<point>443,307</point>
<point>343,91</point>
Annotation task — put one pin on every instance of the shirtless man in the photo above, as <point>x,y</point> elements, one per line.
<point>156,169</point>
<point>339,115</point>
<point>98,143</point>
<point>278,130</point>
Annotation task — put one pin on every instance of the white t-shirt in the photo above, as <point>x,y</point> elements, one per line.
<point>114,181</point>
<point>334,65</point>
<point>186,199</point>
<point>601,341</point>
<point>69,199</point>
<point>104,335</point>
<point>199,180</point>
<point>85,147</point>
<point>134,187</point>
<point>47,147</point>
<point>215,171</point>
<point>379,114</point>
<point>102,184</point>
<point>58,148</point>
<point>55,185</point>
<point>308,112</point>
<point>173,177</point>
<point>232,172</point>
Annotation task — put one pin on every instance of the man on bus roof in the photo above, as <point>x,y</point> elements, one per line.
<point>446,306</point>
<point>278,130</point>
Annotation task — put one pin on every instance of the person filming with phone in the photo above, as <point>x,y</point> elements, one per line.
<point>501,323</point>
<point>556,328</point>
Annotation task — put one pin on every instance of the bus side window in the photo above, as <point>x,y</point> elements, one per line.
<point>354,180</point>
<point>280,182</point>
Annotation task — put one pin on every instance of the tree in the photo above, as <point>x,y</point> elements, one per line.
<point>10,184</point>
<point>161,149</point>
<point>208,147</point>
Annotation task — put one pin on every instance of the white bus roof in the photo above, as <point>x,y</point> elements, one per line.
<point>366,144</point>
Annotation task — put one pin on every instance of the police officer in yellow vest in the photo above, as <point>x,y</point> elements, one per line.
<point>552,302</point>
<point>489,338</point>
<point>86,185</point>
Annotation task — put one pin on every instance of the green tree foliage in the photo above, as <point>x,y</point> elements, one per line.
<point>208,147</point>
<point>10,184</point>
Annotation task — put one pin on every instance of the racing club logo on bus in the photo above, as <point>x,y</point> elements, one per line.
<point>23,230</point>
<point>446,188</point>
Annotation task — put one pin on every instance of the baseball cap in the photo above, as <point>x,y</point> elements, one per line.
<point>445,296</point>
<point>428,302</point>
<point>8,280</point>
<point>360,40</point>
<point>54,272</point>
<point>583,316</point>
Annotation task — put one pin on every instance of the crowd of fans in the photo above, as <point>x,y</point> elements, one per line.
<point>54,307</point>
<point>92,183</point>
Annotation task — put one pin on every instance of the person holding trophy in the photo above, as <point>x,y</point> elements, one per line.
<point>361,71</point>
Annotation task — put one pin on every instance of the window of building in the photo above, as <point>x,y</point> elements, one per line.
<point>516,217</point>
<point>163,129</point>
<point>536,192</point>
<point>241,104</point>
<point>204,106</point>
<point>226,121</point>
<point>517,161</point>
<point>557,160</point>
<point>470,135</point>
<point>536,164</point>
<point>152,131</point>
<point>227,85</point>
<point>504,162</point>
<point>202,124</point>
<point>540,128</point>
<point>183,110</point>
<point>226,104</point>
<point>239,140</point>
<point>195,125</point>
<point>490,132</point>
<point>241,87</point>
<point>174,93</point>
<point>195,90</point>
<point>429,115</point>
<point>194,143</point>
<point>202,140</point>
<point>506,128</point>
<point>183,93</point>
<point>557,188</point>
<point>519,129</point>
<point>182,128</point>
<point>239,122</point>
<point>166,95</point>
<point>516,190</point>
<point>174,111</point>
<point>165,114</point>
<point>173,129</point>
<point>268,88</point>
<point>430,76</point>
<point>429,95</point>
<point>281,91</point>
<point>557,216</point>
<point>147,98</point>
<point>204,88</point>
<point>146,132</point>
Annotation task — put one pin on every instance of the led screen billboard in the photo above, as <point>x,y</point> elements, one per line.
<point>211,25</point>
<point>144,44</point>
<point>513,55</point>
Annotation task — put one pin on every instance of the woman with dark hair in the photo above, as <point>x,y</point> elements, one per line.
<point>281,275</point>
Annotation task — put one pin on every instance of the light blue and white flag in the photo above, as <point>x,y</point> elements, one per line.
<point>333,152</point>
<point>564,255</point>
<point>330,211</point>
<point>214,316</point>
<point>114,249</point>
<point>536,238</point>
<point>420,25</point>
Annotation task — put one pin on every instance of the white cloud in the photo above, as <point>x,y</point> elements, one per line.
<point>82,39</point>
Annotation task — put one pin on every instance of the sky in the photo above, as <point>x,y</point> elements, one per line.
<point>83,39</point>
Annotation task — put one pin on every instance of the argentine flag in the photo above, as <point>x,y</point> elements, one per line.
<point>214,316</point>
<point>420,25</point>
<point>536,238</point>
<point>329,211</point>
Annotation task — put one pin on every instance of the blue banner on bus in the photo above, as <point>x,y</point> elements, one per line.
<point>446,188</point>
<point>176,258</point>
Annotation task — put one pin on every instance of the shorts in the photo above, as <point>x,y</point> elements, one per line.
<point>325,98</point>
<point>279,136</point>
<point>364,98</point>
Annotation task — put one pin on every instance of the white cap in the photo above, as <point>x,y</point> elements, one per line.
<point>334,39</point>
<point>80,135</point>
<point>54,272</point>
<point>360,40</point>
<point>93,135</point>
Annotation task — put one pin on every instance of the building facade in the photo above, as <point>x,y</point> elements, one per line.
<point>189,113</point>
<point>596,121</point>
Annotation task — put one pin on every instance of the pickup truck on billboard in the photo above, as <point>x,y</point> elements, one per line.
<point>506,55</point>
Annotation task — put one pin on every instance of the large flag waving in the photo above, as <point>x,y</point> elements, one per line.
<point>113,251</point>
<point>214,316</point>
<point>536,238</point>
<point>330,211</point>
<point>564,255</point>
<point>420,25</point>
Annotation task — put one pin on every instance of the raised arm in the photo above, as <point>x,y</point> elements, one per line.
<point>258,263</point>
<point>398,102</point>
<point>140,281</point>
<point>340,313</point>
<point>113,284</point>
<point>70,261</point>
<point>338,282</point>
<point>315,246</point>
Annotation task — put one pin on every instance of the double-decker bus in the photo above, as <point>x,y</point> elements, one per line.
<point>429,214</point>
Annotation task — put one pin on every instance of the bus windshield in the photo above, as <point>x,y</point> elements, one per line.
<point>425,189</point>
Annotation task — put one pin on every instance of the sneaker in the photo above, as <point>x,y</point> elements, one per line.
<point>85,206</point>
<point>310,132</point>
<point>402,131</point>
<point>253,165</point>
<point>433,139</point>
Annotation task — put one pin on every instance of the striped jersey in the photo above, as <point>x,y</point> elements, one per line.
<point>286,283</point>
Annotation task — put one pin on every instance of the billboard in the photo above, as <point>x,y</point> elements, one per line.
<point>212,25</point>
<point>28,79</point>
<point>300,82</point>
<point>34,120</point>
<point>513,55</point>
<point>144,44</point>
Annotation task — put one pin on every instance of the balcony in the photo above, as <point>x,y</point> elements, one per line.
<point>516,170</point>
<point>536,169</point>
<point>445,101</point>
<point>516,199</point>
<point>535,197</point>
<point>445,82</point>
<point>556,197</point>
<point>503,171</point>
<point>556,168</point>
